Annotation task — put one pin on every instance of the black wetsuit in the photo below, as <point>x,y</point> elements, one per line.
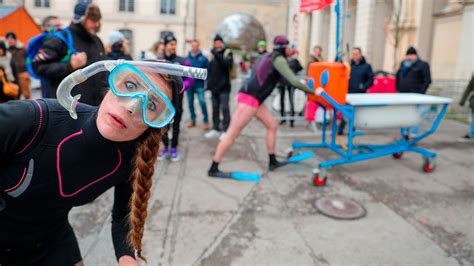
<point>50,163</point>
<point>268,70</point>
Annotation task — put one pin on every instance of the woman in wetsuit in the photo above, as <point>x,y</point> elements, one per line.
<point>265,74</point>
<point>50,163</point>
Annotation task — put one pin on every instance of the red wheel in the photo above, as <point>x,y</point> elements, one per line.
<point>319,182</point>
<point>289,155</point>
<point>397,155</point>
<point>428,168</point>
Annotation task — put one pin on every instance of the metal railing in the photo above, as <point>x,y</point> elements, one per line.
<point>452,88</point>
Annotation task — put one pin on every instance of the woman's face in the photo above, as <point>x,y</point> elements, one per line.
<point>288,51</point>
<point>117,120</point>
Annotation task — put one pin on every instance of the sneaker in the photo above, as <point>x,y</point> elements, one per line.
<point>163,154</point>
<point>174,155</point>
<point>206,127</point>
<point>222,136</point>
<point>213,134</point>
<point>192,124</point>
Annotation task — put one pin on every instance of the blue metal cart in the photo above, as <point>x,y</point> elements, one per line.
<point>403,107</point>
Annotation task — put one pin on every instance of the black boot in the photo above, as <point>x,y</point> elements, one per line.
<point>274,163</point>
<point>214,171</point>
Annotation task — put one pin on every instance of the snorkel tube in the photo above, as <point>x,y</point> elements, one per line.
<point>65,87</point>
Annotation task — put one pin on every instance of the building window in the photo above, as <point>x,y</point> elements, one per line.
<point>168,7</point>
<point>126,5</point>
<point>42,3</point>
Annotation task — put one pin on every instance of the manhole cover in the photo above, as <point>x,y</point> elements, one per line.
<point>340,208</point>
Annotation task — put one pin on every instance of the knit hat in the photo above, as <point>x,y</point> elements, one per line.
<point>218,38</point>
<point>115,36</point>
<point>262,43</point>
<point>83,10</point>
<point>10,34</point>
<point>411,50</point>
<point>280,41</point>
<point>169,38</point>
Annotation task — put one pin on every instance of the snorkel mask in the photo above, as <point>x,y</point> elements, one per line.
<point>128,80</point>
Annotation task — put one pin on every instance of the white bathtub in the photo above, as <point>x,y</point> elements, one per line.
<point>391,110</point>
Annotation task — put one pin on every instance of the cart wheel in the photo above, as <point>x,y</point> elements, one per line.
<point>318,181</point>
<point>429,164</point>
<point>397,155</point>
<point>290,154</point>
<point>428,167</point>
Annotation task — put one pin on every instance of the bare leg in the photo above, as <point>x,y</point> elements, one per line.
<point>240,119</point>
<point>266,117</point>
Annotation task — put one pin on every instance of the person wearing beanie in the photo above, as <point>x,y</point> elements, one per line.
<point>413,76</point>
<point>54,61</point>
<point>170,148</point>
<point>250,103</point>
<point>18,53</point>
<point>118,46</point>
<point>262,47</point>
<point>218,82</point>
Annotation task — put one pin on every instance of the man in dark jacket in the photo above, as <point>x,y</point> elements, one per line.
<point>414,74</point>
<point>49,24</point>
<point>197,60</point>
<point>285,85</point>
<point>218,81</point>
<point>413,77</point>
<point>54,61</point>
<point>362,77</point>
<point>170,55</point>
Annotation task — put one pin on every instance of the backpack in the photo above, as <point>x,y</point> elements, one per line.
<point>35,43</point>
<point>233,68</point>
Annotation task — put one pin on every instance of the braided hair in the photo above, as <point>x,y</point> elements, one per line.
<point>142,174</point>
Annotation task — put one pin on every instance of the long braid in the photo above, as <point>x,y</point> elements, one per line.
<point>144,167</point>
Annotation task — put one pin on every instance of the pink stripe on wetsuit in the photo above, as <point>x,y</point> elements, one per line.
<point>247,99</point>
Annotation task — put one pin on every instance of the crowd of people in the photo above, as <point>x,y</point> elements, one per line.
<point>122,123</point>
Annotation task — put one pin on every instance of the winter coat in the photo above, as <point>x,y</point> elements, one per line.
<point>218,77</point>
<point>7,63</point>
<point>48,63</point>
<point>18,53</point>
<point>198,60</point>
<point>295,66</point>
<point>362,76</point>
<point>416,78</point>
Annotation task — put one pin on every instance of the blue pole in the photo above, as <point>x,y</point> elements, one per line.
<point>337,9</point>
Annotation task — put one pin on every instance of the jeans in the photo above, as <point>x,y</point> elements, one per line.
<point>175,124</point>
<point>291,92</point>
<point>202,102</point>
<point>220,102</point>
